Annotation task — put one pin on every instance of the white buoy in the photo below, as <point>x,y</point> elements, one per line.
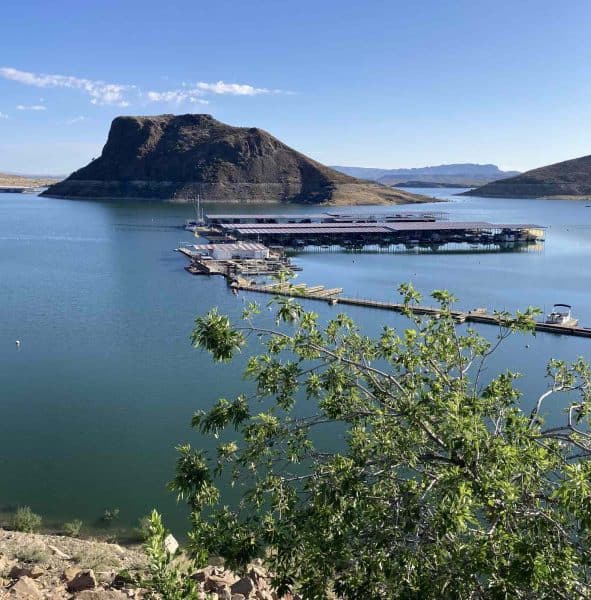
<point>18,343</point>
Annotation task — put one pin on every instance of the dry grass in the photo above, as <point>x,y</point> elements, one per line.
<point>97,558</point>
<point>31,551</point>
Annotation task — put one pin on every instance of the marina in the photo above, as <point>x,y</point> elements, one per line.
<point>355,231</point>
<point>236,251</point>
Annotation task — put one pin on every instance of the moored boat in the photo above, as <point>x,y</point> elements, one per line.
<point>561,315</point>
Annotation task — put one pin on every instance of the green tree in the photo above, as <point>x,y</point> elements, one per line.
<point>443,485</point>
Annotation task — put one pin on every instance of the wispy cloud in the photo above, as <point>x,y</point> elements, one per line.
<point>177,96</point>
<point>100,92</point>
<point>194,93</point>
<point>233,89</point>
<point>31,107</point>
<point>75,120</point>
<point>3,116</point>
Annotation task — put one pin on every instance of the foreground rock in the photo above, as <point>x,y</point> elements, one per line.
<point>50,567</point>
<point>170,157</point>
<point>570,178</point>
<point>33,567</point>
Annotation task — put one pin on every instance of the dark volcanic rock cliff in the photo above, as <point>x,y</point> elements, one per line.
<point>175,158</point>
<point>568,178</point>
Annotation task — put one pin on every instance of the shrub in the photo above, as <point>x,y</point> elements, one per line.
<point>143,528</point>
<point>447,484</point>
<point>32,552</point>
<point>110,514</point>
<point>73,528</point>
<point>26,520</point>
<point>166,577</point>
<point>96,556</point>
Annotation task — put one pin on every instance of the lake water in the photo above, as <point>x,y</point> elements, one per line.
<point>105,382</point>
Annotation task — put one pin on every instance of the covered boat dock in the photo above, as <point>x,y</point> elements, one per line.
<point>323,217</point>
<point>385,233</point>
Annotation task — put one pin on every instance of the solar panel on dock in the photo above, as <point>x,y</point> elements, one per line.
<point>297,226</point>
<point>322,217</point>
<point>263,230</point>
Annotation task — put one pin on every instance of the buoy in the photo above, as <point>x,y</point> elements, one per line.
<point>18,343</point>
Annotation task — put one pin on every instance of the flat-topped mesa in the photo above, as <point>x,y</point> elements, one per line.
<point>570,178</point>
<point>174,158</point>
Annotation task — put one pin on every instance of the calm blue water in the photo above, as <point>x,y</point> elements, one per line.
<point>105,382</point>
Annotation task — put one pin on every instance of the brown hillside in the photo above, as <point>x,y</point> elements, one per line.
<point>567,178</point>
<point>170,157</point>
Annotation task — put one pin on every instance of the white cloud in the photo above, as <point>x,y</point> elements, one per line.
<point>3,116</point>
<point>234,89</point>
<point>31,107</point>
<point>99,92</point>
<point>177,96</point>
<point>75,120</point>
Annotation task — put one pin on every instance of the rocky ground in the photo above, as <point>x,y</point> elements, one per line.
<point>50,567</point>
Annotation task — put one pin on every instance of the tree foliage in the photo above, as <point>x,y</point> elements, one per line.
<point>442,485</point>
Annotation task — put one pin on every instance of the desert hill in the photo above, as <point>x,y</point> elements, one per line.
<point>567,178</point>
<point>11,179</point>
<point>170,157</point>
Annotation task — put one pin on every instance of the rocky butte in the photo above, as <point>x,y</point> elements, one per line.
<point>570,178</point>
<point>174,158</point>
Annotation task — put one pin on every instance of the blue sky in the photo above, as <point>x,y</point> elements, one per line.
<point>374,83</point>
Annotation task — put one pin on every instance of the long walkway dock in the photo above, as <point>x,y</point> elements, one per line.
<point>331,296</point>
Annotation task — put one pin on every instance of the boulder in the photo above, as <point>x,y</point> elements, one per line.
<point>18,571</point>
<point>78,580</point>
<point>244,586</point>
<point>204,573</point>
<point>58,594</point>
<point>24,589</point>
<point>170,544</point>
<point>59,553</point>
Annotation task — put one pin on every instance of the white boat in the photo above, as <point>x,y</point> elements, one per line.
<point>561,315</point>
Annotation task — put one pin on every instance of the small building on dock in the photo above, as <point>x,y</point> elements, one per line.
<point>238,250</point>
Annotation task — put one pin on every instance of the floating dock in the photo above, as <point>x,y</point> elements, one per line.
<point>221,259</point>
<point>478,315</point>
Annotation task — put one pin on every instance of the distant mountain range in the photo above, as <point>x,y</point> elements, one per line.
<point>570,178</point>
<point>455,175</point>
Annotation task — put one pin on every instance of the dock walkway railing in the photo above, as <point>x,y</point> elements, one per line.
<point>332,297</point>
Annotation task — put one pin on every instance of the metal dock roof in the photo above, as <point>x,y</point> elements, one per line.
<point>309,228</point>
<point>270,228</point>
<point>325,216</point>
